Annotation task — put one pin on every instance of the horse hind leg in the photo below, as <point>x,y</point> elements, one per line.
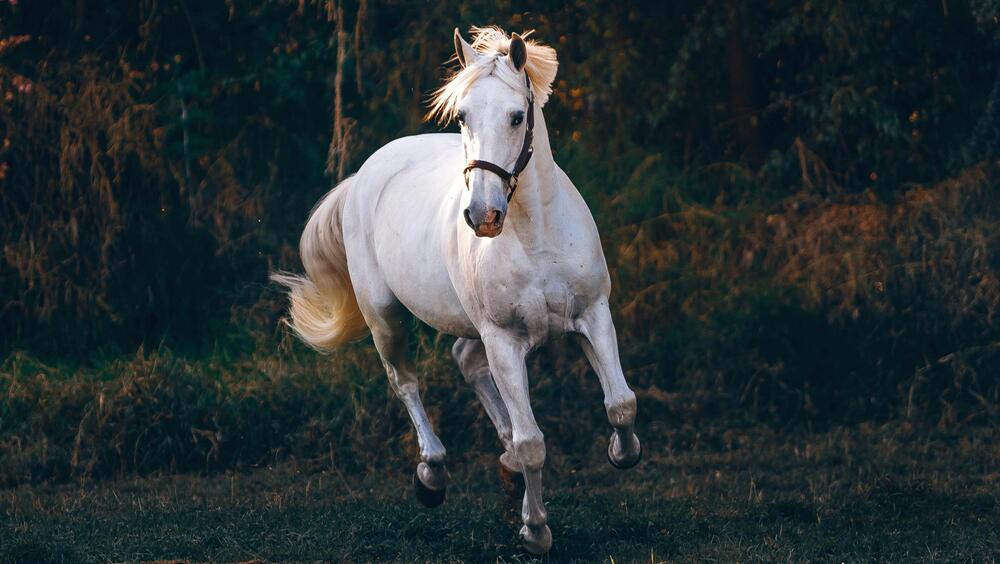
<point>390,336</point>
<point>386,318</point>
<point>470,355</point>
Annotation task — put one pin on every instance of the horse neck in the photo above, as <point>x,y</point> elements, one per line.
<point>536,190</point>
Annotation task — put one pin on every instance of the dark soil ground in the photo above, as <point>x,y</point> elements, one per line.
<point>864,493</point>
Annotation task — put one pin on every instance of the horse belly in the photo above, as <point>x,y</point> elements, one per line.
<point>429,295</point>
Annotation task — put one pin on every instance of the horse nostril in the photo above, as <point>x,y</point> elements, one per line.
<point>468,218</point>
<point>494,217</point>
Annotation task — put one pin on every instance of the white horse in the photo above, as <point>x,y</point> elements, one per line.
<point>431,225</point>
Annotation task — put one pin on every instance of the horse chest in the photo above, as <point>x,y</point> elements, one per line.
<point>538,301</point>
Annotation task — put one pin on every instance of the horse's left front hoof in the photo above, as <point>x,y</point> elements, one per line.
<point>427,497</point>
<point>436,476</point>
<point>621,459</point>
<point>537,541</point>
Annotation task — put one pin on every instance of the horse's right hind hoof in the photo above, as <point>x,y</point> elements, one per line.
<point>427,497</point>
<point>537,541</point>
<point>623,460</point>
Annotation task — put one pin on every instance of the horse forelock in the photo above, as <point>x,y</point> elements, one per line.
<point>492,45</point>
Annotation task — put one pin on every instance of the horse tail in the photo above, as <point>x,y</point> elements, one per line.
<point>324,311</point>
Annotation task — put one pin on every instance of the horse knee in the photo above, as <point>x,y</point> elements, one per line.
<point>530,452</point>
<point>622,409</point>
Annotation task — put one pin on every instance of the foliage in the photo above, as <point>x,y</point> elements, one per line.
<point>798,200</point>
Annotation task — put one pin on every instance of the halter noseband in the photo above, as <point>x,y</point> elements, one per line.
<point>510,178</point>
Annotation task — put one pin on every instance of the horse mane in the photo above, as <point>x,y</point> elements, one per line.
<point>493,44</point>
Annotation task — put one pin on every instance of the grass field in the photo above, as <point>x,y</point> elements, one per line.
<point>863,493</point>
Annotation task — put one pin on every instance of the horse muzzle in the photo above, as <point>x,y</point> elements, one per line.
<point>485,223</point>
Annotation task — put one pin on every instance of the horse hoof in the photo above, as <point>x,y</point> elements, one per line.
<point>426,496</point>
<point>620,460</point>
<point>536,542</point>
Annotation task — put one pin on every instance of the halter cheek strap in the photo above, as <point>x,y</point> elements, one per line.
<point>510,178</point>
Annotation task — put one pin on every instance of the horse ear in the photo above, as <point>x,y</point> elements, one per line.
<point>518,51</point>
<point>465,53</point>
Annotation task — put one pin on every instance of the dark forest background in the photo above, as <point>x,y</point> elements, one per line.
<point>799,202</point>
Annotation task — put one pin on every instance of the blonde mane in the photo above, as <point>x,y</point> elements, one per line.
<point>492,45</point>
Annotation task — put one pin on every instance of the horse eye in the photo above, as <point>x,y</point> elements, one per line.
<point>461,118</point>
<point>517,119</point>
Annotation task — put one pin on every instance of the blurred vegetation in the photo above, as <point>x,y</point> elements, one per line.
<point>799,202</point>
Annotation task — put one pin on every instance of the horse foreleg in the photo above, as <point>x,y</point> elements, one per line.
<point>506,359</point>
<point>600,344</point>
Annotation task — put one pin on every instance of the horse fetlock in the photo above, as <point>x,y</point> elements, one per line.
<point>530,453</point>
<point>433,456</point>
<point>622,410</point>
<point>537,520</point>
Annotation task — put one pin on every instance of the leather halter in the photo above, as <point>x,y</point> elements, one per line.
<point>510,178</point>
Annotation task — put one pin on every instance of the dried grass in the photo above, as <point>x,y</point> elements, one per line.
<point>93,214</point>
